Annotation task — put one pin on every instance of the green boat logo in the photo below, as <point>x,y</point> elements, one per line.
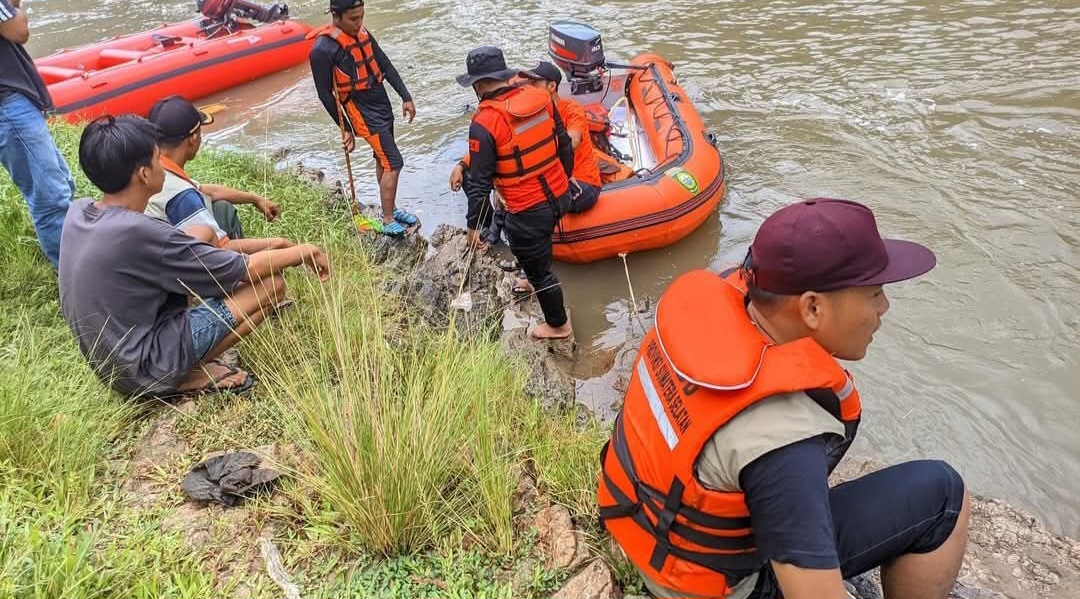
<point>685,179</point>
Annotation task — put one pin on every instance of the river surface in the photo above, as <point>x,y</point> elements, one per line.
<point>959,125</point>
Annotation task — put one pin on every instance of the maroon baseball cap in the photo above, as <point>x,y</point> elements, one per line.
<point>825,244</point>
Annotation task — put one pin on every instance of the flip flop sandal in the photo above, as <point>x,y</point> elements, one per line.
<point>521,291</point>
<point>394,229</point>
<point>406,218</point>
<point>281,306</point>
<point>508,265</point>
<point>241,389</point>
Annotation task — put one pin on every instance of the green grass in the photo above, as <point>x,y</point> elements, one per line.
<point>409,440</point>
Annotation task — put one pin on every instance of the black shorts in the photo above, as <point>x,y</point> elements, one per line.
<point>384,149</point>
<point>383,145</point>
<point>908,508</point>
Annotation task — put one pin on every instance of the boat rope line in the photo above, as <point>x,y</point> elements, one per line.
<point>112,93</point>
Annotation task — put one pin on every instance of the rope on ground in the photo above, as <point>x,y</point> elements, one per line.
<point>626,269</point>
<point>277,572</point>
<point>636,316</point>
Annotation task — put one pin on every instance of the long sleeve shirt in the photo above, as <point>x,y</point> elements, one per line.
<point>373,104</point>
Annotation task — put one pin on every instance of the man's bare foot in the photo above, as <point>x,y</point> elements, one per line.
<point>223,378</point>
<point>546,331</point>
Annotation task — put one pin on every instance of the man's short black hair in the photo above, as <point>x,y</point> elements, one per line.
<point>754,294</point>
<point>112,148</point>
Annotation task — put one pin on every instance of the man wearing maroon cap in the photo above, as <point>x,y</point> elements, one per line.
<point>715,481</point>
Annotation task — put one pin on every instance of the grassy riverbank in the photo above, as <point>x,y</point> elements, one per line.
<point>403,445</point>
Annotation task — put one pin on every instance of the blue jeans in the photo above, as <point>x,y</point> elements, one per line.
<point>31,157</point>
<point>210,323</point>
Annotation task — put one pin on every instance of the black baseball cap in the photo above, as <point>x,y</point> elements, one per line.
<point>825,244</point>
<point>485,62</point>
<point>177,119</point>
<point>341,6</point>
<point>544,71</point>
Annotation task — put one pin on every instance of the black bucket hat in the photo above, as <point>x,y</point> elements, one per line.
<point>485,62</point>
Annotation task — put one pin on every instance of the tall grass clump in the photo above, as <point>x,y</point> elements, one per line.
<point>410,428</point>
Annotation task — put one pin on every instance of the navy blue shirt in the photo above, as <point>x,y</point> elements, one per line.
<point>787,492</point>
<point>17,71</point>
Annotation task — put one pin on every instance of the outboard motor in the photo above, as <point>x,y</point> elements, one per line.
<point>577,49</point>
<point>227,11</point>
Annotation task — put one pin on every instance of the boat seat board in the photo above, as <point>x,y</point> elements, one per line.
<point>110,57</point>
<point>53,74</point>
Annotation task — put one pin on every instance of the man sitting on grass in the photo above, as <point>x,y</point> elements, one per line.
<point>125,278</point>
<point>183,201</point>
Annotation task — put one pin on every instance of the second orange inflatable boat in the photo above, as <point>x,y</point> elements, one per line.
<point>129,73</point>
<point>672,174</point>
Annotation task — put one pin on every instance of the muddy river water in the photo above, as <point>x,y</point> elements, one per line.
<point>958,123</point>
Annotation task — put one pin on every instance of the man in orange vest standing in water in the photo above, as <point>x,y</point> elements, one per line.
<point>715,480</point>
<point>518,145</point>
<point>348,64</point>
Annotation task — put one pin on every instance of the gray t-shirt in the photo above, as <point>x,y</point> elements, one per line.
<point>125,279</point>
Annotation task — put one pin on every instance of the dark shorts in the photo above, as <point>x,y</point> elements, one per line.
<point>583,196</point>
<point>377,132</point>
<point>210,323</point>
<point>384,149</point>
<point>908,508</point>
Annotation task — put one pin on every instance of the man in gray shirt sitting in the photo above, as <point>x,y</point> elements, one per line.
<point>125,278</point>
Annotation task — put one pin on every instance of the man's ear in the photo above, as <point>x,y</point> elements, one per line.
<point>141,176</point>
<point>811,308</point>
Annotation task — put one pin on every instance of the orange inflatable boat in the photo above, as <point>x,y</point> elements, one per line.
<point>663,174</point>
<point>194,59</point>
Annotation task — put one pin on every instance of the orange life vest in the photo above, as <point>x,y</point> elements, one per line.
<point>530,156</point>
<point>703,363</point>
<point>367,74</point>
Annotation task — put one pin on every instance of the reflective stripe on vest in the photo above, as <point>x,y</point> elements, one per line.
<point>701,365</point>
<point>657,408</point>
<point>367,74</point>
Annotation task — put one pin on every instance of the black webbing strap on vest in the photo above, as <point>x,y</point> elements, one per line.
<point>518,153</point>
<point>666,508</point>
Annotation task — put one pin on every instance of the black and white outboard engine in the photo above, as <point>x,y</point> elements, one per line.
<point>578,50</point>
<point>231,10</point>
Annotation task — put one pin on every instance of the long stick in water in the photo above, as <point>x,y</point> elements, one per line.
<point>359,220</point>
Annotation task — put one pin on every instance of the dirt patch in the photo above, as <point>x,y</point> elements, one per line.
<point>156,454</point>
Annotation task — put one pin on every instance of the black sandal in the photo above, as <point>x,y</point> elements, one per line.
<point>238,390</point>
<point>508,265</point>
<point>521,290</point>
